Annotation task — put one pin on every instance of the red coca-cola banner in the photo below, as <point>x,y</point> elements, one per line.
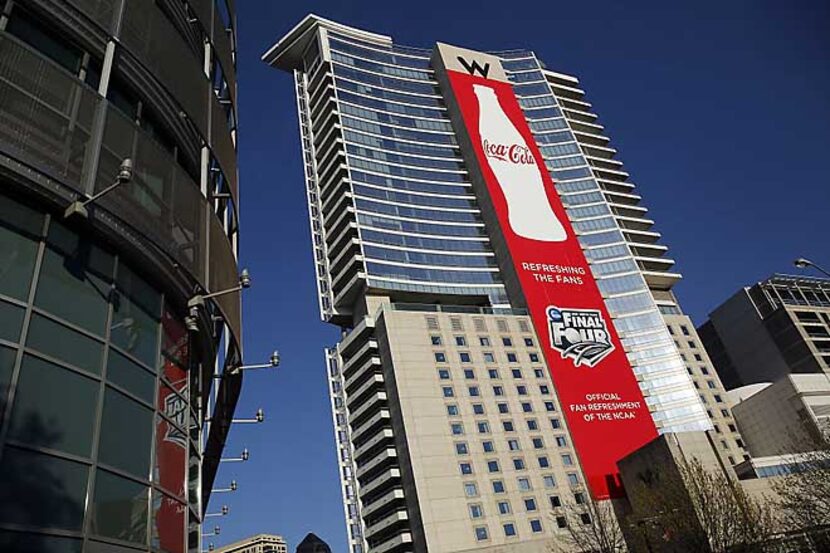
<point>597,389</point>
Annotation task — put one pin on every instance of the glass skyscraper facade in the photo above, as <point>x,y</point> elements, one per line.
<point>398,226</point>
<point>106,374</point>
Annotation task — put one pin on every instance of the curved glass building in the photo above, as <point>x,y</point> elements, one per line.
<point>412,262</point>
<point>106,372</point>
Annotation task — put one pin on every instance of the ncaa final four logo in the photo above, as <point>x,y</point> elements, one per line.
<point>580,334</point>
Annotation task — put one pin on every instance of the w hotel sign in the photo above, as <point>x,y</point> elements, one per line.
<point>545,267</point>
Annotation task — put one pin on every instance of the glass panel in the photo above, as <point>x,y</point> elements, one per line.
<point>19,229</point>
<point>119,508</point>
<point>135,318</point>
<point>41,490</point>
<point>65,344</point>
<point>131,376</point>
<point>11,319</point>
<point>18,542</point>
<point>168,524</point>
<point>171,452</point>
<point>76,269</point>
<point>54,407</point>
<point>126,434</point>
<point>7,358</point>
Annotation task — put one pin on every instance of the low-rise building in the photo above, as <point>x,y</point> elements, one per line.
<point>260,543</point>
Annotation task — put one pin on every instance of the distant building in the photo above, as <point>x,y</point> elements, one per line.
<point>764,332</point>
<point>261,543</point>
<point>313,544</point>
<point>784,417</point>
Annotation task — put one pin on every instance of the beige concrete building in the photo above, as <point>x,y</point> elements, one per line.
<point>261,543</point>
<point>784,417</point>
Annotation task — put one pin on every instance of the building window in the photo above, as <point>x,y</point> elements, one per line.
<point>555,424</point>
<point>530,504</point>
<point>452,410</point>
<point>448,391</point>
<point>561,441</point>
<point>473,390</point>
<point>684,329</point>
<point>527,407</point>
<point>504,507</point>
<point>493,373</point>
<point>498,486</point>
<point>511,358</point>
<point>524,484</point>
<point>711,384</point>
<point>489,357</point>
<point>543,462</point>
<point>549,406</point>
<point>478,408</point>
<point>444,374</point>
<point>493,466</point>
<point>555,501</point>
<point>469,374</point>
<point>460,341</point>
<point>481,533</point>
<point>498,391</point>
<point>484,341</point>
<point>503,408</point>
<point>538,373</point>
<point>457,429</point>
<point>549,481</point>
<point>534,357</point>
<point>509,529</point>
<point>544,390</point>
<point>519,464</point>
<point>538,443</point>
<point>461,448</point>
<point>436,340</point>
<point>508,426</point>
<point>521,390</point>
<point>506,342</point>
<point>465,357</point>
<point>488,447</point>
<point>517,373</point>
<point>579,497</point>
<point>513,445</point>
<point>440,357</point>
<point>561,522</point>
<point>466,468</point>
<point>573,479</point>
<point>483,427</point>
<point>476,511</point>
<point>535,526</point>
<point>532,424</point>
<point>567,460</point>
<point>529,342</point>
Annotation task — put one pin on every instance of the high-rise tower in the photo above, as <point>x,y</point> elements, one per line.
<point>505,339</point>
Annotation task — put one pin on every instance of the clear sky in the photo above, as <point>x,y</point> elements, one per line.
<point>719,110</point>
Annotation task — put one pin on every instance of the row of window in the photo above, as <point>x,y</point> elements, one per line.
<point>508,426</point>
<point>488,356</point>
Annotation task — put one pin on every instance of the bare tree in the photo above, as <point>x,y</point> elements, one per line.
<point>592,527</point>
<point>697,510</point>
<point>804,495</point>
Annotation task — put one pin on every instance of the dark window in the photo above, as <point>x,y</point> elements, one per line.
<point>131,376</point>
<point>11,320</point>
<point>135,317</point>
<point>27,28</point>
<point>41,490</point>
<point>54,407</point>
<point>129,451</point>
<point>65,344</point>
<point>19,229</point>
<point>74,268</point>
<point>119,508</point>
<point>31,543</point>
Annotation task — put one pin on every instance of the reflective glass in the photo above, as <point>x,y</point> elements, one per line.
<point>168,524</point>
<point>54,407</point>
<point>135,317</point>
<point>11,320</point>
<point>19,229</point>
<point>7,359</point>
<point>20,542</point>
<point>129,451</point>
<point>76,269</point>
<point>41,490</point>
<point>129,375</point>
<point>119,508</point>
<point>65,344</point>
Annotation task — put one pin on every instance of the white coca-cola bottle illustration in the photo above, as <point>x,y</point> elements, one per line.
<point>528,209</point>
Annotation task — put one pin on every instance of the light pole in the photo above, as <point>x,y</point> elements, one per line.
<point>803,263</point>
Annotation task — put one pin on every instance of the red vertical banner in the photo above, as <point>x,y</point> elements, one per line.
<point>599,395</point>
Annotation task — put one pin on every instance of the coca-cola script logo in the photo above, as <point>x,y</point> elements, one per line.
<point>512,153</point>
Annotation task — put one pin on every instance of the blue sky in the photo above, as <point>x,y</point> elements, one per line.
<point>718,109</point>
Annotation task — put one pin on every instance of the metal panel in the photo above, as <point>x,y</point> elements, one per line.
<point>100,11</point>
<point>222,45</point>
<point>45,113</point>
<point>149,36</point>
<point>222,275</point>
<point>222,145</point>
